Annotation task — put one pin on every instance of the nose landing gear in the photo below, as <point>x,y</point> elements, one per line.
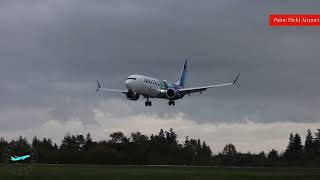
<point>171,102</point>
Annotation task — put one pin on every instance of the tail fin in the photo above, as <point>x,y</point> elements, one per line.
<point>183,75</point>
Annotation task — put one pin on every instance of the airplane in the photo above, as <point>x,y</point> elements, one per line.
<point>149,87</point>
<point>18,158</point>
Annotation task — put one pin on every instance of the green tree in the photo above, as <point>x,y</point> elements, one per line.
<point>118,137</point>
<point>317,142</point>
<point>3,144</point>
<point>171,136</point>
<point>88,144</point>
<point>308,145</point>
<point>297,144</point>
<point>290,146</point>
<point>138,138</point>
<point>229,150</point>
<point>273,155</point>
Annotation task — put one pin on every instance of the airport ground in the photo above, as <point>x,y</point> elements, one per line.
<point>92,172</point>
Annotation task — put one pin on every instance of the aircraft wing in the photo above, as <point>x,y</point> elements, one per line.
<point>203,88</point>
<point>25,157</point>
<point>110,90</point>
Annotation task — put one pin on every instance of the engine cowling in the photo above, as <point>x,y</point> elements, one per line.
<point>171,93</point>
<point>132,95</point>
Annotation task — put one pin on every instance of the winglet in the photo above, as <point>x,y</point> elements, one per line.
<point>98,86</point>
<point>235,80</point>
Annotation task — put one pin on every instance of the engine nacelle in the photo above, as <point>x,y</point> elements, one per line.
<point>132,95</point>
<point>171,93</point>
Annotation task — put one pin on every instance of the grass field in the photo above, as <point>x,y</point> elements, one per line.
<point>88,172</point>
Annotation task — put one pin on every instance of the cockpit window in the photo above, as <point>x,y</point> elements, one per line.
<point>132,78</point>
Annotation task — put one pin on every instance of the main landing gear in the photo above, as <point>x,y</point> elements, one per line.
<point>148,103</point>
<point>171,102</point>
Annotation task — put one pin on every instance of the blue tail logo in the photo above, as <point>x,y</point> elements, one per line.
<point>183,75</point>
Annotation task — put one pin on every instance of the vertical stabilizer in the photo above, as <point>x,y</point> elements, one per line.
<point>183,75</point>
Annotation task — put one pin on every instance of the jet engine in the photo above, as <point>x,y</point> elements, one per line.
<point>171,93</point>
<point>132,95</point>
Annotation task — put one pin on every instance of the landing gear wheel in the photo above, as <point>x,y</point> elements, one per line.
<point>148,103</point>
<point>171,103</point>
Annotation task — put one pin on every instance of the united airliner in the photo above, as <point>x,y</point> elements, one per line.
<point>148,87</point>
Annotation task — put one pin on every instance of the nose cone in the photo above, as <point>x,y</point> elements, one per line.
<point>130,82</point>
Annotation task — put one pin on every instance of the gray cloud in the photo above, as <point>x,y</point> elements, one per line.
<point>53,52</point>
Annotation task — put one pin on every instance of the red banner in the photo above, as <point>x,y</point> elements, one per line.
<point>294,20</point>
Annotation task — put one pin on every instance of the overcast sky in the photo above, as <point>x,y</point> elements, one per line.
<point>52,53</point>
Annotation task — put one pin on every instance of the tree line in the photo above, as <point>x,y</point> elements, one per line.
<point>164,148</point>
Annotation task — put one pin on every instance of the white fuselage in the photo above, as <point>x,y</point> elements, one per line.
<point>144,85</point>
